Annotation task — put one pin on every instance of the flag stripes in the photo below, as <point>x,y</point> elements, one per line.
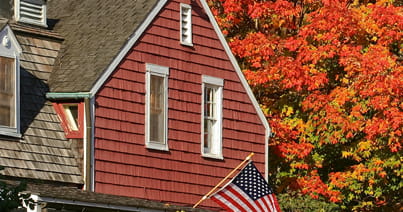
<point>247,192</point>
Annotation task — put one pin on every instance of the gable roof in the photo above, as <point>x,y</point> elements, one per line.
<point>140,30</point>
<point>95,32</point>
<point>100,33</point>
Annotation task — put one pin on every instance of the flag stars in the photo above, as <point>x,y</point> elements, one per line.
<point>252,182</point>
<point>252,187</point>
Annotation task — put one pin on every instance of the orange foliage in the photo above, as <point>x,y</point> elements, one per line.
<point>329,76</point>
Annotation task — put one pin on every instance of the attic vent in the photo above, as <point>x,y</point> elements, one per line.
<point>31,12</point>
<point>186,24</point>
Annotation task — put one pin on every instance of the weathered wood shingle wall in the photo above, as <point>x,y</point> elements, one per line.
<point>43,152</point>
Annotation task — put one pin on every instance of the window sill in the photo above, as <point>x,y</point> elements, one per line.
<point>9,133</point>
<point>156,146</point>
<point>213,156</point>
<point>186,44</point>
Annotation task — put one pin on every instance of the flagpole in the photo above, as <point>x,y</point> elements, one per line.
<point>223,180</point>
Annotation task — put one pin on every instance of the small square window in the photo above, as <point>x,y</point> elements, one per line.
<point>212,117</point>
<point>72,118</point>
<point>71,113</point>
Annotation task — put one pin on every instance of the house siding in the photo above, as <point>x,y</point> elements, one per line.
<point>123,165</point>
<point>43,152</point>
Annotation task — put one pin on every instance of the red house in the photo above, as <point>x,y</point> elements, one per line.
<point>151,96</point>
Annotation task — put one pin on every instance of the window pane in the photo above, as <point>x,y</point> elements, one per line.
<point>157,109</point>
<point>7,92</point>
<point>206,136</point>
<point>210,137</point>
<point>71,112</point>
<point>210,102</point>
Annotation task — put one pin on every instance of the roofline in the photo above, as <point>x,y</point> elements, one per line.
<point>127,47</point>
<point>243,81</point>
<point>36,31</point>
<point>40,199</point>
<point>138,32</point>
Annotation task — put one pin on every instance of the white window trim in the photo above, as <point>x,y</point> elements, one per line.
<point>17,12</point>
<point>10,48</point>
<point>219,83</point>
<point>162,71</point>
<point>188,20</point>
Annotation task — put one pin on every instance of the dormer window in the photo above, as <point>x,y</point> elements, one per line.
<point>31,12</point>
<point>9,83</point>
<point>186,24</point>
<point>71,115</point>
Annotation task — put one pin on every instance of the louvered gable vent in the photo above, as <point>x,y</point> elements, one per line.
<point>186,24</point>
<point>31,12</point>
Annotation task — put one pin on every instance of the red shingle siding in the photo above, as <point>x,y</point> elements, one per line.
<point>123,165</point>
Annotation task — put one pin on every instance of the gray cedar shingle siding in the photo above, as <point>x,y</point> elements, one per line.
<point>82,40</point>
<point>43,152</point>
<point>94,31</point>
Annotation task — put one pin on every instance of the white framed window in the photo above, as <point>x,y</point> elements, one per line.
<point>31,12</point>
<point>186,24</point>
<point>212,94</point>
<point>9,84</point>
<point>157,107</point>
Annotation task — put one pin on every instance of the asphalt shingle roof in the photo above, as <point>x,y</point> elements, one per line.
<point>94,31</point>
<point>82,39</point>
<point>73,194</point>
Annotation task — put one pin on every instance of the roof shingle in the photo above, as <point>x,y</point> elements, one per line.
<point>43,152</point>
<point>94,31</point>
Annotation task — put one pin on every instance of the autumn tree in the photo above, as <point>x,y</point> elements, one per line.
<point>329,77</point>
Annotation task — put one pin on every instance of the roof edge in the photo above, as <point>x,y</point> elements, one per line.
<point>140,30</point>
<point>126,48</point>
<point>91,204</point>
<point>243,81</point>
<point>36,31</point>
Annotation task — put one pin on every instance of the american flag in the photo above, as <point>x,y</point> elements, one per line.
<point>248,191</point>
